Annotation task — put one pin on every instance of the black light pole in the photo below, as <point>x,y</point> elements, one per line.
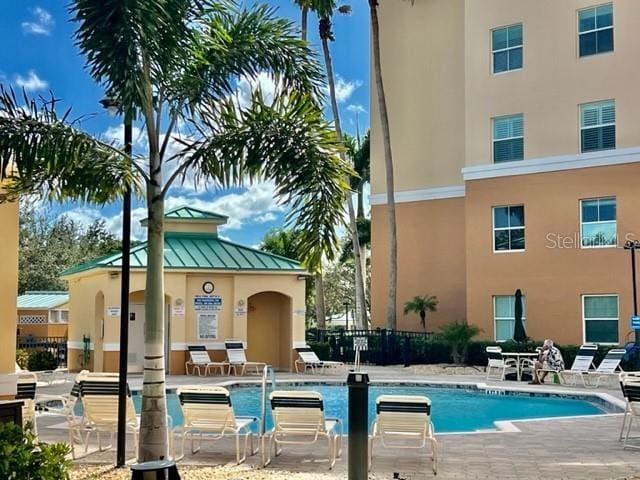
<point>633,246</point>
<point>346,314</point>
<point>113,107</point>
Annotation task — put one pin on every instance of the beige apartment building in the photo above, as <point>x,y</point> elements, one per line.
<point>516,145</point>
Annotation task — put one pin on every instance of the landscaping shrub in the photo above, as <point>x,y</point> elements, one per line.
<point>41,360</point>
<point>22,457</point>
<point>457,335</point>
<point>322,349</point>
<point>22,358</point>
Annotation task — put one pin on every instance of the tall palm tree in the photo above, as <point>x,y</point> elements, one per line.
<point>304,5</point>
<point>422,305</point>
<point>388,164</point>
<point>324,9</point>
<point>176,63</point>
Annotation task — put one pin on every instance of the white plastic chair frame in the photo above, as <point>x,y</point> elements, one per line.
<point>199,358</point>
<point>237,358</point>
<point>309,360</point>
<point>630,386</point>
<point>497,361</point>
<point>26,391</point>
<point>401,419</point>
<point>298,419</point>
<point>208,411</point>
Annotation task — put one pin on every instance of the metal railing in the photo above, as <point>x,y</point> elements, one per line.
<point>56,345</point>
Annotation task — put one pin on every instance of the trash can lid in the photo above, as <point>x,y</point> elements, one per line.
<point>153,466</point>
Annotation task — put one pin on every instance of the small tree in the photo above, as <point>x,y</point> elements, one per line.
<point>422,305</point>
<point>458,334</point>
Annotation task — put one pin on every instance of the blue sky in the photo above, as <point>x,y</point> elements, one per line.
<point>38,54</point>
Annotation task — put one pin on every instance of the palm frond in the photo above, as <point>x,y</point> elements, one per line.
<point>290,143</point>
<point>44,154</point>
<point>235,43</point>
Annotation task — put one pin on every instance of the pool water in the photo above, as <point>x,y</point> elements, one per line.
<point>453,409</point>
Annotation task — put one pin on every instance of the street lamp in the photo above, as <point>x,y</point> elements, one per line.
<point>633,246</point>
<point>346,313</point>
<point>113,107</point>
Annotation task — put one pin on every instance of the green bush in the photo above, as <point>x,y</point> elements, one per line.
<point>41,360</point>
<point>22,358</point>
<point>458,335</point>
<point>24,458</point>
<point>322,349</point>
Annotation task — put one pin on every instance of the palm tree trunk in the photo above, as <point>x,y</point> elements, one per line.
<point>320,311</point>
<point>388,163</point>
<point>153,443</point>
<point>360,198</point>
<point>361,318</point>
<point>304,18</point>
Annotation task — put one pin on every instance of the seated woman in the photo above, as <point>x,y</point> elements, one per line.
<point>549,360</point>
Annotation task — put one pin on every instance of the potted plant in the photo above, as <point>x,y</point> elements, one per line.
<point>421,305</point>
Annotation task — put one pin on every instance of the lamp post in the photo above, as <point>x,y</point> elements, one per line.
<point>633,246</point>
<point>113,108</point>
<point>346,314</point>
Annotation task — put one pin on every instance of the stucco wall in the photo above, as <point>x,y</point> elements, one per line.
<point>8,285</point>
<point>552,272</point>
<point>431,260</point>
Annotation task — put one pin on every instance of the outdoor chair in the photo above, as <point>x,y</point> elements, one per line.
<point>404,421</point>
<point>208,411</point>
<point>630,385</point>
<point>26,391</point>
<point>309,360</point>
<point>609,368</point>
<point>79,431</point>
<point>237,358</point>
<point>298,419</point>
<point>582,364</point>
<point>199,358</point>
<point>498,362</point>
<point>99,396</point>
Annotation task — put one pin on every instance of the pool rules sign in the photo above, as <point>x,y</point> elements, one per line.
<point>207,309</point>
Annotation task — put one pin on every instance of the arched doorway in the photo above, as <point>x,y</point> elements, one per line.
<point>269,329</point>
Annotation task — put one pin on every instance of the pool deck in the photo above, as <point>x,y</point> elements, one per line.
<point>571,448</point>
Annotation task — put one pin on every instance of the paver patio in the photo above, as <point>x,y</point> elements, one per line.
<point>572,448</point>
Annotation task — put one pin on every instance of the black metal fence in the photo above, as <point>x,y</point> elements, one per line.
<point>382,347</point>
<point>56,345</point>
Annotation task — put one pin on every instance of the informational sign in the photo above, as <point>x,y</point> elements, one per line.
<point>113,311</point>
<point>635,322</point>
<point>207,326</point>
<point>360,343</point>
<point>178,311</point>
<point>299,312</point>
<point>240,311</point>
<point>207,303</point>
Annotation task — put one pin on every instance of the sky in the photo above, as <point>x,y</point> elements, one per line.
<point>38,55</point>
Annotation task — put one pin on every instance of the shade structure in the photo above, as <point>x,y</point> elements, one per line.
<point>519,335</point>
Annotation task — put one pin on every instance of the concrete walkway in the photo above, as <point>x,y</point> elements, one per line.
<point>572,448</point>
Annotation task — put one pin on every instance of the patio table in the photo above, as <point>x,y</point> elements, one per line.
<point>519,356</point>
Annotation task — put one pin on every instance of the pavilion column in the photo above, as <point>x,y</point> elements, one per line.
<point>9,229</point>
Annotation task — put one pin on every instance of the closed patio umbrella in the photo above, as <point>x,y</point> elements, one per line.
<point>519,335</point>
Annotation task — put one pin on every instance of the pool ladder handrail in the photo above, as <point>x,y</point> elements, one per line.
<point>268,369</point>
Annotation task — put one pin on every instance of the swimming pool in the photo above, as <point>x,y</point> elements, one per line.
<point>453,409</point>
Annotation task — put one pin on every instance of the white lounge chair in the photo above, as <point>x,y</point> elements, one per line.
<point>609,368</point>
<point>298,419</point>
<point>99,395</point>
<point>26,391</point>
<point>582,364</point>
<point>404,421</point>
<point>630,384</point>
<point>199,358</point>
<point>208,410</point>
<point>309,360</point>
<point>499,363</point>
<point>79,431</point>
<point>237,358</point>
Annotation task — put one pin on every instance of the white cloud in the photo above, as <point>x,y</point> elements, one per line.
<point>353,108</point>
<point>247,85</point>
<point>345,88</point>
<point>41,22</point>
<point>31,82</point>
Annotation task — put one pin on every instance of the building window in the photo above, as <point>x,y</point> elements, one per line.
<point>598,126</point>
<point>600,314</point>
<point>508,228</point>
<point>598,222</point>
<point>595,30</point>
<point>506,48</point>
<point>504,316</point>
<point>508,138</point>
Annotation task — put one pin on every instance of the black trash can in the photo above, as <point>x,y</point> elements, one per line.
<point>158,470</point>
